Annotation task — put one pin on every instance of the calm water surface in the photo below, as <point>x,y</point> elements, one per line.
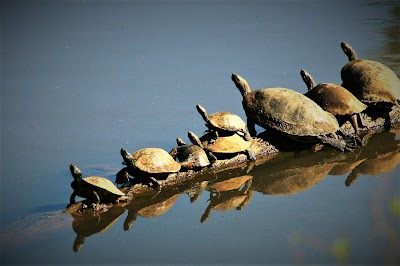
<point>81,79</point>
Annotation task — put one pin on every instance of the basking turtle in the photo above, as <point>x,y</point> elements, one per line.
<point>224,122</point>
<point>152,163</point>
<point>334,99</point>
<point>372,83</point>
<point>192,156</point>
<point>93,187</point>
<point>225,147</point>
<point>290,113</point>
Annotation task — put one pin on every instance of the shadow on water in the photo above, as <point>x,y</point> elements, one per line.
<point>228,190</point>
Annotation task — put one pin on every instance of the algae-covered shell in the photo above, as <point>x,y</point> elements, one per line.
<point>289,111</point>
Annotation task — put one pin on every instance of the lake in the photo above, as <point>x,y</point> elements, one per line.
<point>83,79</point>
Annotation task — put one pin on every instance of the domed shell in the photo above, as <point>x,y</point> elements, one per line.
<point>155,160</point>
<point>369,81</point>
<point>103,183</point>
<point>289,111</point>
<point>335,99</point>
<point>227,121</point>
<point>229,144</point>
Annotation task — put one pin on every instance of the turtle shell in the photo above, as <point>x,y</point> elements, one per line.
<point>227,121</point>
<point>155,160</point>
<point>335,99</point>
<point>104,184</point>
<point>371,81</point>
<point>228,144</point>
<point>288,111</point>
<point>191,152</point>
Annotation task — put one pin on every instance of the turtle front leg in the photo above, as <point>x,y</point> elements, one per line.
<point>251,125</point>
<point>72,198</point>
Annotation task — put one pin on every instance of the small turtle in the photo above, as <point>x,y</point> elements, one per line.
<point>192,156</point>
<point>224,122</point>
<point>93,187</point>
<point>225,147</point>
<point>152,163</point>
<point>370,81</point>
<point>334,99</point>
<point>290,113</point>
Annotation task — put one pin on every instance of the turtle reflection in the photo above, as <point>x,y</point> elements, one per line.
<point>227,195</point>
<point>148,207</point>
<point>291,173</point>
<point>86,224</point>
<point>381,155</point>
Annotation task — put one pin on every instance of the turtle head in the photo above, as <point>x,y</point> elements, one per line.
<point>308,80</point>
<point>180,142</point>
<point>76,172</point>
<point>349,51</point>
<point>195,139</point>
<point>241,84</point>
<point>202,112</point>
<point>126,156</point>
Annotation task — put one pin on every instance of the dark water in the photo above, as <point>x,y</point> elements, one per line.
<point>81,79</point>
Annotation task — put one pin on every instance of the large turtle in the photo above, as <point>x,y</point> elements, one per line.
<point>371,82</point>
<point>152,163</point>
<point>334,99</point>
<point>94,188</point>
<point>225,147</point>
<point>192,156</point>
<point>290,113</point>
<point>224,122</point>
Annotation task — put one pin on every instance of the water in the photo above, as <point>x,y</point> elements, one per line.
<point>81,79</point>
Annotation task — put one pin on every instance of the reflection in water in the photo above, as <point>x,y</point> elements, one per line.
<point>149,208</point>
<point>382,155</point>
<point>87,224</point>
<point>285,174</point>
<point>227,195</point>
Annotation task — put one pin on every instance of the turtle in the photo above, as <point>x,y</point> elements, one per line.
<point>334,99</point>
<point>95,188</point>
<point>371,82</point>
<point>224,122</point>
<point>152,163</point>
<point>225,147</point>
<point>292,114</point>
<point>192,156</point>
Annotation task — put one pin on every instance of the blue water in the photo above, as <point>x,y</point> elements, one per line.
<point>82,79</point>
